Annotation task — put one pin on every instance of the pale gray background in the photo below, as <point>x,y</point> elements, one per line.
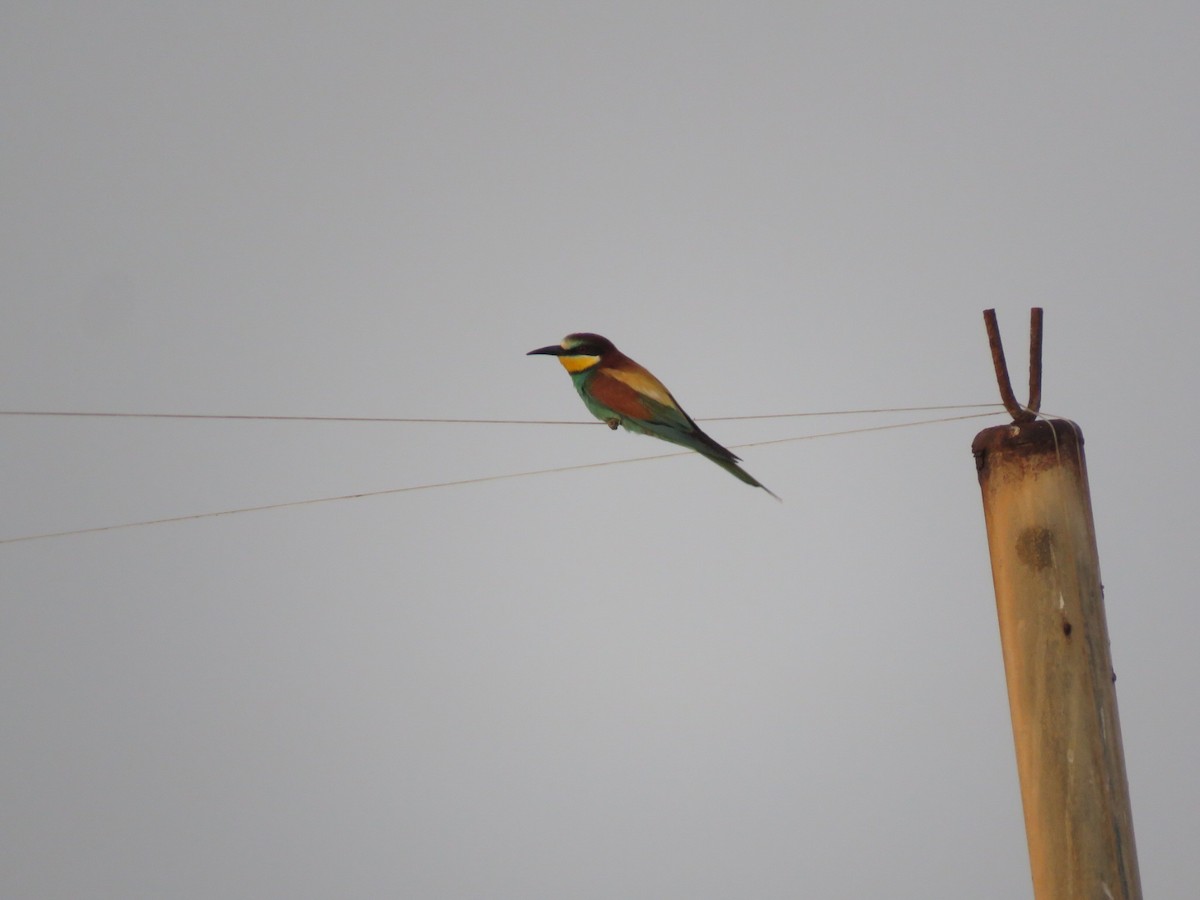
<point>638,681</point>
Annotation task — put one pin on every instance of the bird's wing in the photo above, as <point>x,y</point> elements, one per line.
<point>618,396</point>
<point>673,424</point>
<point>618,390</point>
<point>633,392</point>
<point>662,407</point>
<point>642,382</point>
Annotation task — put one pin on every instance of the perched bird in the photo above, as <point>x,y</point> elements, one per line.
<point>618,391</point>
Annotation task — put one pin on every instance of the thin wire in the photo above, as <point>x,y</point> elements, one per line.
<point>464,481</point>
<point>358,496</point>
<point>464,421</point>
<point>248,418</point>
<point>855,412</point>
<point>825,434</point>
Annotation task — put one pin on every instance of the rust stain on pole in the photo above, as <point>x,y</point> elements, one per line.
<point>1061,690</point>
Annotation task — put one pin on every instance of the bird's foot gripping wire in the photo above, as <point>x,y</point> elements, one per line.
<point>612,423</point>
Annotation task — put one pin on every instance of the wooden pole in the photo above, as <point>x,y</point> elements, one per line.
<point>1054,637</point>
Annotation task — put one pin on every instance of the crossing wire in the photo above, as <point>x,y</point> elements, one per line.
<point>411,420</point>
<point>477,480</point>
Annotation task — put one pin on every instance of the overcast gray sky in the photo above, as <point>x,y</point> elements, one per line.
<point>635,681</point>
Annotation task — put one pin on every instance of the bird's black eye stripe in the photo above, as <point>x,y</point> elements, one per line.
<point>585,344</point>
<point>584,349</point>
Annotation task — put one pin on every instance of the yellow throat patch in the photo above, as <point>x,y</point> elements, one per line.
<point>578,363</point>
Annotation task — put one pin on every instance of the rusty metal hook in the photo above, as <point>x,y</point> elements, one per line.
<point>1019,413</point>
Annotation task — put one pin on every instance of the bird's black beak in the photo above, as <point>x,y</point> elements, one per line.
<point>552,350</point>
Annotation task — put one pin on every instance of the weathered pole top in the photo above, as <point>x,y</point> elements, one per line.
<point>1028,435</point>
<point>1037,436</point>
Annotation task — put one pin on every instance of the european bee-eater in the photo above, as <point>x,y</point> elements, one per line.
<point>618,391</point>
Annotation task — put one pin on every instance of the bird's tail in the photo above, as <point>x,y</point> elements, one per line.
<point>730,465</point>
